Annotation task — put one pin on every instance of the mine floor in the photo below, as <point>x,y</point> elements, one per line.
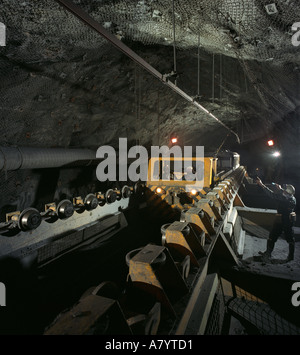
<point>276,265</point>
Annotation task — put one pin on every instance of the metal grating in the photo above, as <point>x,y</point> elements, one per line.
<point>51,250</point>
<point>217,314</point>
<point>259,315</point>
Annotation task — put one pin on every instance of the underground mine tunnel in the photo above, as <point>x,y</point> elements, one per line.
<point>132,137</point>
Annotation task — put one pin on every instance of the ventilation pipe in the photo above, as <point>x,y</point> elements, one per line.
<point>15,158</point>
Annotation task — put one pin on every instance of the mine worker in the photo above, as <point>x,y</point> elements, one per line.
<point>190,173</point>
<point>168,173</point>
<point>286,203</point>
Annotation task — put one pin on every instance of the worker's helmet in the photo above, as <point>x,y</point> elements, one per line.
<point>189,170</point>
<point>289,189</point>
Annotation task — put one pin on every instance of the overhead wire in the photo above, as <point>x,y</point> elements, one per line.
<point>139,103</point>
<point>221,76</point>
<point>213,78</point>
<point>174,42</point>
<point>137,94</point>
<point>198,72</point>
<point>158,118</point>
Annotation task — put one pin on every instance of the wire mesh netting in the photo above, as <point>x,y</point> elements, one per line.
<point>257,29</point>
<point>237,311</point>
<point>259,315</point>
<point>217,314</point>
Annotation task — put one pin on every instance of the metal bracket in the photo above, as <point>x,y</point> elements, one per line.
<point>184,243</point>
<point>153,271</point>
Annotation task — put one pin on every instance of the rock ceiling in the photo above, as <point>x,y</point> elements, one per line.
<point>63,85</point>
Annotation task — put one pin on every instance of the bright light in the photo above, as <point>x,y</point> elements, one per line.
<point>174,140</point>
<point>270,143</point>
<point>194,192</point>
<point>159,190</point>
<point>276,154</point>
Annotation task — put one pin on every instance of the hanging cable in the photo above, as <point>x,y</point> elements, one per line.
<point>227,98</point>
<point>137,94</point>
<point>135,102</point>
<point>221,145</point>
<point>221,76</point>
<point>242,130</point>
<point>198,89</point>
<point>174,42</point>
<point>158,120</point>
<point>213,78</point>
<point>139,103</point>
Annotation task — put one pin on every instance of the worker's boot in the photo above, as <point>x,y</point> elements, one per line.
<point>291,252</point>
<point>268,252</point>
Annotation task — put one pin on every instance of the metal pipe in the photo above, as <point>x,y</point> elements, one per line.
<point>87,19</point>
<point>15,158</point>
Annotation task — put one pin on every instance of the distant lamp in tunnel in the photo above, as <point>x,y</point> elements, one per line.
<point>174,140</point>
<point>276,154</point>
<point>194,192</point>
<point>270,143</point>
<point>160,191</point>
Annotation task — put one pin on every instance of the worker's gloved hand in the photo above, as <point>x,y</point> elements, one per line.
<point>258,181</point>
<point>278,187</point>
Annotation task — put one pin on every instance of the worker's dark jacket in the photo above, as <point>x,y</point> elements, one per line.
<point>285,203</point>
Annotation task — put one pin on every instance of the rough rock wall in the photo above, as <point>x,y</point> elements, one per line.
<point>62,85</point>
